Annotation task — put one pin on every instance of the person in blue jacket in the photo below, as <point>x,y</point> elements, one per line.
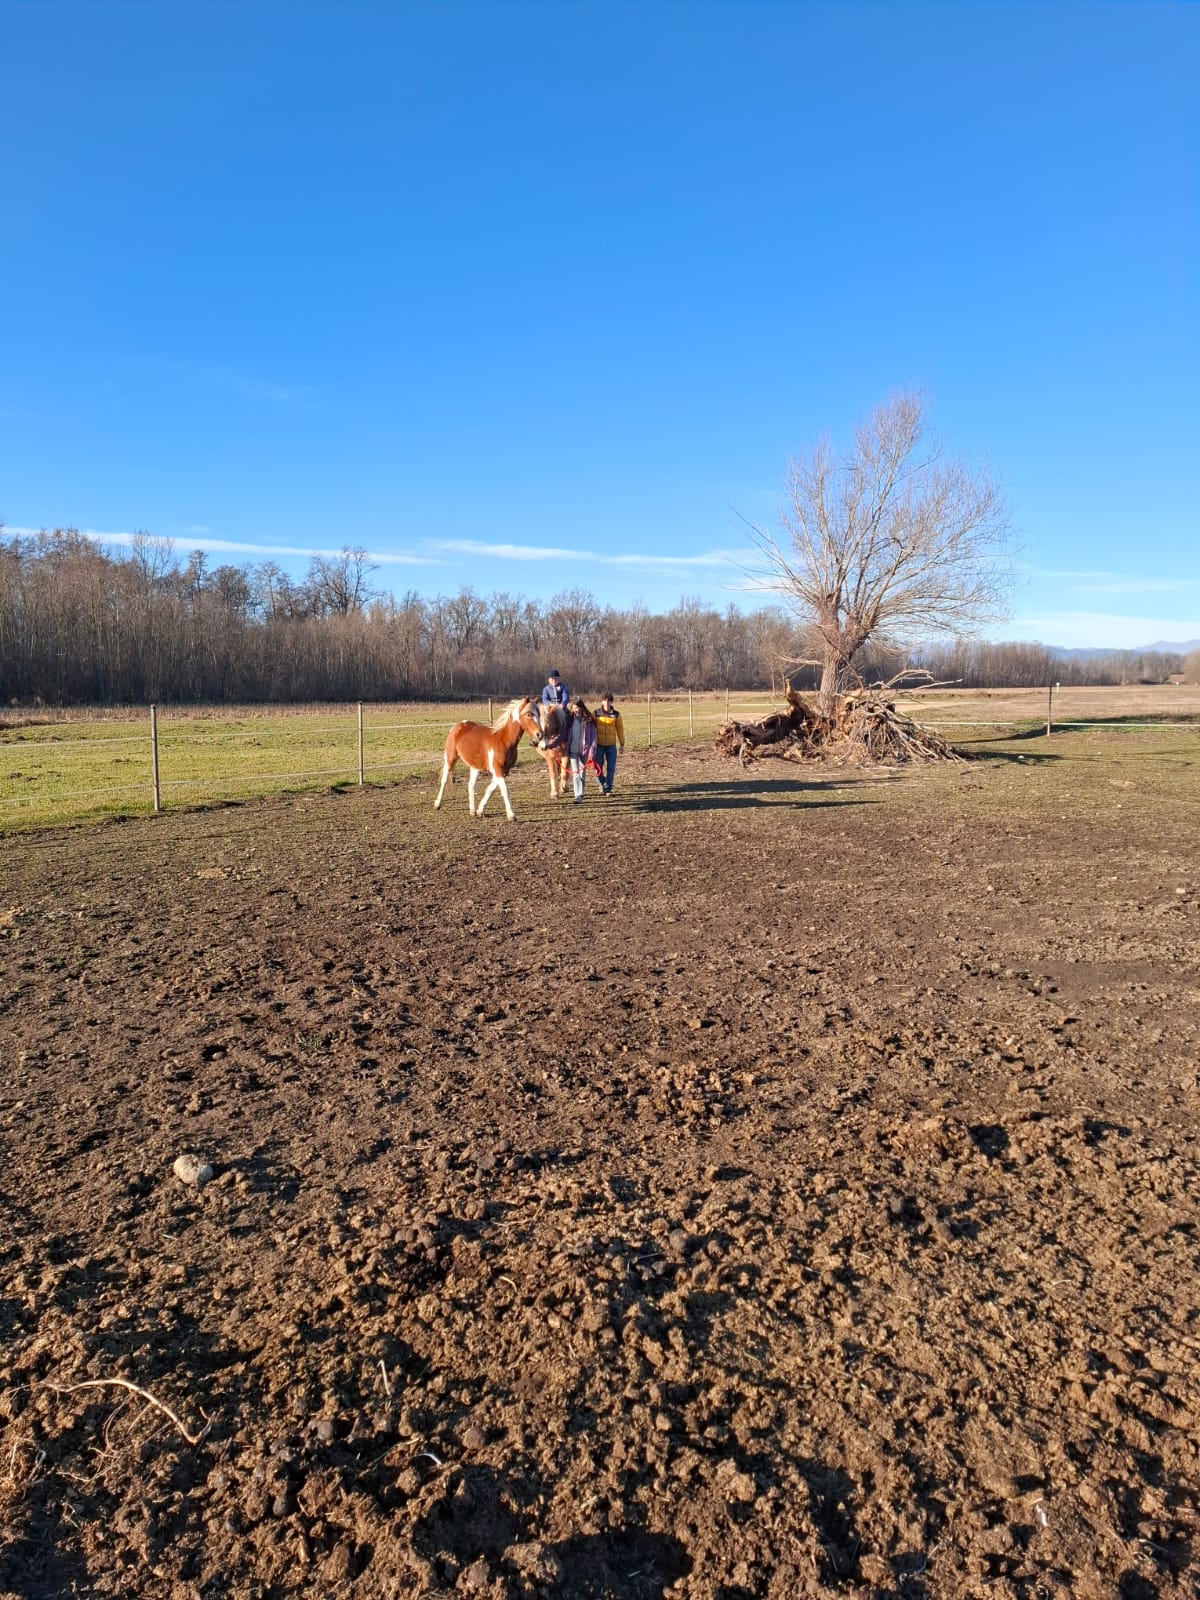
<point>555,692</point>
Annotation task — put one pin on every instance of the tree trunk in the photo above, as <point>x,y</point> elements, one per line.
<point>827,694</point>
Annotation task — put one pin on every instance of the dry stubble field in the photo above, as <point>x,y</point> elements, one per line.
<point>774,1183</point>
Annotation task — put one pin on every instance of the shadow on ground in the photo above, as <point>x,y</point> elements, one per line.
<point>1034,758</point>
<point>739,794</point>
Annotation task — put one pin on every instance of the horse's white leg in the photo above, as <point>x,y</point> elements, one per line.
<point>442,786</point>
<point>488,791</point>
<point>487,795</point>
<point>508,810</point>
<point>471,793</point>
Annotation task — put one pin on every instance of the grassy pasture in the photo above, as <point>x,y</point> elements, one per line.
<point>58,767</point>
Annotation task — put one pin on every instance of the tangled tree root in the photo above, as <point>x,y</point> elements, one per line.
<point>866,729</point>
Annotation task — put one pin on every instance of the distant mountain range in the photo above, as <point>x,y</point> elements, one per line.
<point>1170,647</point>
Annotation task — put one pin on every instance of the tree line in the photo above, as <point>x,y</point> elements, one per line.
<point>979,664</point>
<point>81,623</point>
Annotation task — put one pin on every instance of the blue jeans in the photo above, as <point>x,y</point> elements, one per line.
<point>607,754</point>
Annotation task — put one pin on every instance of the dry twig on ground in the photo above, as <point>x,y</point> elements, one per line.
<point>124,1383</point>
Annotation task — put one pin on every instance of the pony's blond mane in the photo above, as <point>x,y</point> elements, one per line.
<point>508,715</point>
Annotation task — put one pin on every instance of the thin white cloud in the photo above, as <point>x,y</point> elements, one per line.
<point>712,558</point>
<point>205,541</point>
<point>1139,586</point>
<point>300,396</point>
<point>1105,582</point>
<point>539,552</point>
<point>197,534</point>
<point>504,552</point>
<point>1061,572</point>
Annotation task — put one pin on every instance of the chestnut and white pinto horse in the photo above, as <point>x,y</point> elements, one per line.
<point>492,750</point>
<point>553,746</point>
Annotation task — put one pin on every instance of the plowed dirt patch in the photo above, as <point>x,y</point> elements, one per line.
<point>754,1184</point>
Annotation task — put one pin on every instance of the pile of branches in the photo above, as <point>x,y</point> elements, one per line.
<point>781,731</point>
<point>865,729</point>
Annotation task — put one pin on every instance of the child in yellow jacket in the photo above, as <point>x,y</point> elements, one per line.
<point>610,737</point>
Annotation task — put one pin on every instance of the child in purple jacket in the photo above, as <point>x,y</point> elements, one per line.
<point>581,746</point>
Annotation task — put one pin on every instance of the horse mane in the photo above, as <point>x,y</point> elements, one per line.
<point>507,715</point>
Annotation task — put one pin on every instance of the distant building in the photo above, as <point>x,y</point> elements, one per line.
<point>1177,677</point>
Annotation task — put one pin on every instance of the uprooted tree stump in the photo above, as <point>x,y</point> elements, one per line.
<point>865,729</point>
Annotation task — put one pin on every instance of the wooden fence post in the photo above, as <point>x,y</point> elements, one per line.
<point>154,758</point>
<point>361,768</point>
<point>490,716</point>
<point>649,721</point>
<point>691,725</point>
<point>1049,706</point>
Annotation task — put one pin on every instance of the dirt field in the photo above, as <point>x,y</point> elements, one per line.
<point>757,1184</point>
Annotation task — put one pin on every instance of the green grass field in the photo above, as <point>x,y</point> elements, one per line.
<point>64,771</point>
<point>57,769</point>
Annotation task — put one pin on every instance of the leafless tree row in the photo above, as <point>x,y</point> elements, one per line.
<point>980,664</point>
<point>83,624</point>
<point>80,624</point>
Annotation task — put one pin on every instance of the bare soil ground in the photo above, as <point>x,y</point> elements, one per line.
<point>758,1184</point>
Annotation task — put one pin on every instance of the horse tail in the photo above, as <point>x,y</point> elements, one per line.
<point>450,756</point>
<point>449,760</point>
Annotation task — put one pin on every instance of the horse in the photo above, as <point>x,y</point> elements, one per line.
<point>492,750</point>
<point>553,747</point>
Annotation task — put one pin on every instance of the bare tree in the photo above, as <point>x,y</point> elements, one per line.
<point>274,596</point>
<point>338,584</point>
<point>571,622</point>
<point>892,541</point>
<point>194,576</point>
<point>150,559</point>
<point>463,616</point>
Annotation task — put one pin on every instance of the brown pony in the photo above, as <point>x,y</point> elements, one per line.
<point>553,747</point>
<point>492,750</point>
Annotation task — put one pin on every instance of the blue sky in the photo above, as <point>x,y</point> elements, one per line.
<point>539,296</point>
